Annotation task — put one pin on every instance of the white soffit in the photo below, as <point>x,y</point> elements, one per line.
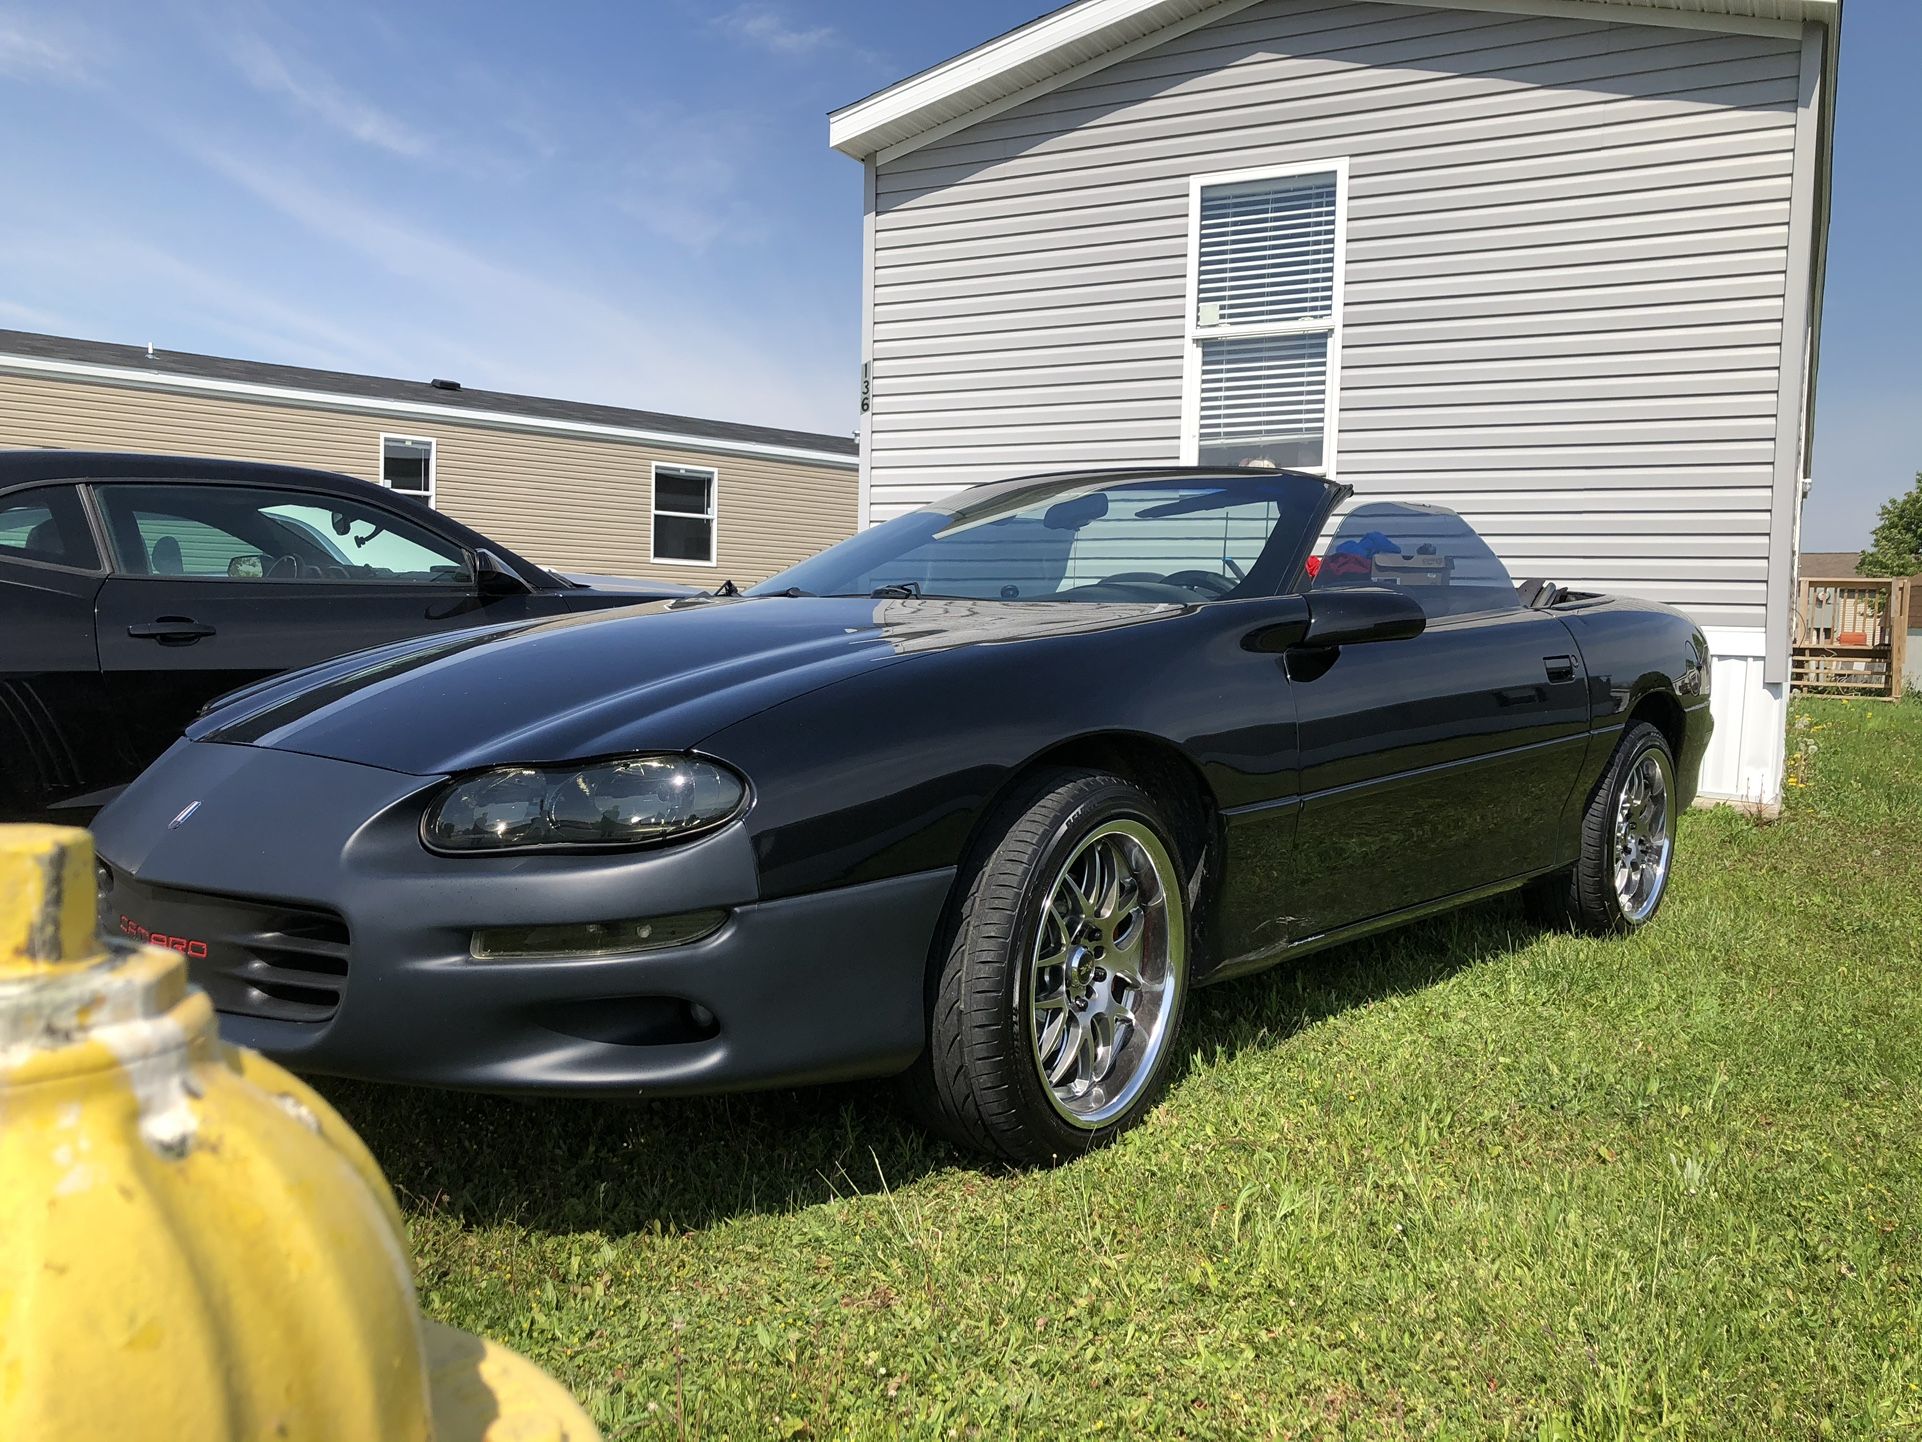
<point>1084,35</point>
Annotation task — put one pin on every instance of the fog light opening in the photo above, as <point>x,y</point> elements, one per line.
<point>639,1021</point>
<point>594,938</point>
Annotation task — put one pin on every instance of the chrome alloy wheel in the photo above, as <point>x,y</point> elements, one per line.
<point>1643,845</point>
<point>1110,957</point>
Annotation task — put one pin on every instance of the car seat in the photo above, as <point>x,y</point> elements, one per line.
<point>43,542</point>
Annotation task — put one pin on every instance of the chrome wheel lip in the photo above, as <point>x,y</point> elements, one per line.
<point>1129,1028</point>
<point>1642,845</point>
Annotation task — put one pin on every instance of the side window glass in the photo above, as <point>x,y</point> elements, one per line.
<point>1427,551</point>
<point>47,524</point>
<point>1154,535</point>
<point>241,533</point>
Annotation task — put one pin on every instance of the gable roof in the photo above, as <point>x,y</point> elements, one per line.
<point>28,352</point>
<point>1827,565</point>
<point>1089,34</point>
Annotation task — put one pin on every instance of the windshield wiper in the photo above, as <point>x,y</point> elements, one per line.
<point>898,591</point>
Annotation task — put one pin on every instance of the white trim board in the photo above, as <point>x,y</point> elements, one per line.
<point>864,488</point>
<point>372,405</point>
<point>1219,11</point>
<point>1078,39</point>
<point>1747,751</point>
<point>1796,382</point>
<point>1090,26</point>
<point>1747,641</point>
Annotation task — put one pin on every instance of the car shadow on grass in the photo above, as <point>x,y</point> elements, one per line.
<point>566,1165</point>
<point>1267,1009</point>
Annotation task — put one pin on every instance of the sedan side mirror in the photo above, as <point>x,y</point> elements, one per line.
<point>1354,616</point>
<point>493,578</point>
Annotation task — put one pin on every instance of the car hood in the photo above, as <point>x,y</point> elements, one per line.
<point>639,587</point>
<point>656,677</point>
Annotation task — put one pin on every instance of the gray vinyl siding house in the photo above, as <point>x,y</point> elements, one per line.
<point>1556,264</point>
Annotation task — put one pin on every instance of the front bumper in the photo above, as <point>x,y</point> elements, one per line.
<point>789,991</point>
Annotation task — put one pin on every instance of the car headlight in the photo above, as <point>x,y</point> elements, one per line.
<point>634,801</point>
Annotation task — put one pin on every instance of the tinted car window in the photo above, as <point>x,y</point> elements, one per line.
<point>241,533</point>
<point>1181,538</point>
<point>1427,551</point>
<point>47,524</point>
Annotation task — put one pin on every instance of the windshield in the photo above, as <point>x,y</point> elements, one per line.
<point>1200,536</point>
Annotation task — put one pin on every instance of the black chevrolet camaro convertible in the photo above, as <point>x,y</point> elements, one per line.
<point>977,796</point>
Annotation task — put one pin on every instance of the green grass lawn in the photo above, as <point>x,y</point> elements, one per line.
<point>1470,1180</point>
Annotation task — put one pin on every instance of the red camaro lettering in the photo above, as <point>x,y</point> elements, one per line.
<point>185,945</point>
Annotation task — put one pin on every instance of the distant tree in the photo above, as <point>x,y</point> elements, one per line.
<point>1896,546</point>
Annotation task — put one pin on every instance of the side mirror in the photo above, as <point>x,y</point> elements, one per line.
<point>493,578</point>
<point>1354,616</point>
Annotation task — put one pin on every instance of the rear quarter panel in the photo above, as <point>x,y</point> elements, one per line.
<point>1633,650</point>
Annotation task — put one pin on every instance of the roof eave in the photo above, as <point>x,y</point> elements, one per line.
<point>307,398</point>
<point>1030,55</point>
<point>1091,33</point>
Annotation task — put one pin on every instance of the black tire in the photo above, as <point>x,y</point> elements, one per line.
<point>979,1080</point>
<point>1586,897</point>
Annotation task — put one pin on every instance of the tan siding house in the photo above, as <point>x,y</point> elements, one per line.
<point>572,487</point>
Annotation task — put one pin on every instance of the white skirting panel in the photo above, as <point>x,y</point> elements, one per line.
<point>1744,761</point>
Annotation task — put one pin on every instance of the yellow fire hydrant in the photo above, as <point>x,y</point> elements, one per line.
<point>194,1247</point>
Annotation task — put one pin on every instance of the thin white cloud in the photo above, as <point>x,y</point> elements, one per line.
<point>681,177</point>
<point>770,27</point>
<point>535,331</point>
<point>27,317</point>
<point>29,49</point>
<point>73,254</point>
<point>273,71</point>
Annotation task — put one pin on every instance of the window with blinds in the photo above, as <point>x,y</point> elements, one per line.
<point>1266,321</point>
<point>407,466</point>
<point>684,514</point>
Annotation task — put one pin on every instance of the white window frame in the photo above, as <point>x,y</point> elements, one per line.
<point>712,515</point>
<point>1195,333</point>
<point>433,463</point>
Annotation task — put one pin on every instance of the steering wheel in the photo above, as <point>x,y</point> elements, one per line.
<point>1211,583</point>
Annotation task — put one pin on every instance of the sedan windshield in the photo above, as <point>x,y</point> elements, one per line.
<point>1186,537</point>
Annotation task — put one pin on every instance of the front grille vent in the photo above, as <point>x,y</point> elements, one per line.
<point>276,960</point>
<point>293,969</point>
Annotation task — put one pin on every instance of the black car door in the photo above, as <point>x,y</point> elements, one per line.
<point>215,585</point>
<point>57,740</point>
<point>1436,765</point>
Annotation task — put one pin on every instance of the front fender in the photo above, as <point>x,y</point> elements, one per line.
<point>889,772</point>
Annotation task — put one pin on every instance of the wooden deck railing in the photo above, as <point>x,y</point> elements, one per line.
<point>1851,633</point>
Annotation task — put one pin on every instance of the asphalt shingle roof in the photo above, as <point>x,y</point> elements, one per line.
<point>1827,565</point>
<point>383,388</point>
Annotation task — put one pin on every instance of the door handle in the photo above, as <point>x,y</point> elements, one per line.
<point>171,630</point>
<point>1560,668</point>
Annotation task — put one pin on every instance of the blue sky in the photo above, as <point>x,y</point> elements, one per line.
<point>635,202</point>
